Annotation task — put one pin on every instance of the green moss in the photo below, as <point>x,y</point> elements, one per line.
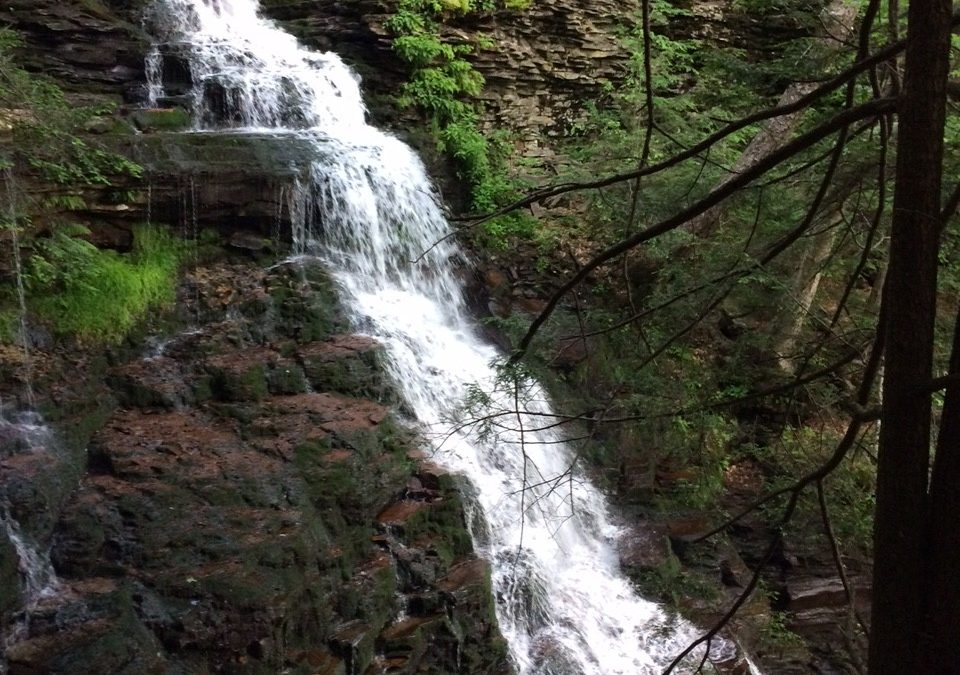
<point>306,315</point>
<point>441,529</point>
<point>241,384</point>
<point>287,379</point>
<point>9,324</point>
<point>166,119</point>
<point>358,375</point>
<point>444,85</point>
<point>97,295</point>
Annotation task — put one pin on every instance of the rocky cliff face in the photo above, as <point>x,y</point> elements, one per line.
<point>236,496</point>
<point>95,49</point>
<point>230,493</point>
<point>543,63</point>
<point>248,503</point>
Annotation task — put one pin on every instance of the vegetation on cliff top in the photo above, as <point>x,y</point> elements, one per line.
<point>443,84</point>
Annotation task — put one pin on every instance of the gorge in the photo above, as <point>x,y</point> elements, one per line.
<point>460,336</point>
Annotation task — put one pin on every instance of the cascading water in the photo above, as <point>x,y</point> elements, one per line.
<point>25,432</point>
<point>22,431</point>
<point>366,208</point>
<point>24,335</point>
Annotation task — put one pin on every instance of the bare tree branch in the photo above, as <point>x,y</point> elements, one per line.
<point>802,142</point>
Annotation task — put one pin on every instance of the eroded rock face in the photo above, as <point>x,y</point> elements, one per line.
<point>544,63</point>
<point>231,516</point>
<point>95,49</point>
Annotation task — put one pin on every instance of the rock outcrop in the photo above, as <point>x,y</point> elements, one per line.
<point>247,504</point>
<point>541,64</point>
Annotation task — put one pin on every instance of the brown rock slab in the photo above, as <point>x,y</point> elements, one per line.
<point>400,512</point>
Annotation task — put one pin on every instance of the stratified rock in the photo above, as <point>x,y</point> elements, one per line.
<point>153,382</point>
<point>347,363</point>
<point>237,530</point>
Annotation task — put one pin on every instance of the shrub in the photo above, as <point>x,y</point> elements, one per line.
<point>100,295</point>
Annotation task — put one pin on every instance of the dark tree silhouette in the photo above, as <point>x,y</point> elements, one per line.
<point>915,600</point>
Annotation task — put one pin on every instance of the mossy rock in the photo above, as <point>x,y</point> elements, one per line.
<point>10,597</point>
<point>79,538</point>
<point>350,485</point>
<point>287,378</point>
<point>370,594</point>
<point>101,634</point>
<point>440,529</point>
<point>161,119</point>
<point>409,639</point>
<point>349,365</point>
<point>247,382</point>
<point>355,643</point>
<point>306,307</point>
<point>472,617</point>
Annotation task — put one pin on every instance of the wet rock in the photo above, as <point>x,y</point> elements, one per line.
<point>645,547</point>
<point>241,375</point>
<point>400,512</point>
<point>347,363</point>
<point>319,662</point>
<point>806,594</point>
<point>408,640</point>
<point>354,643</point>
<point>161,119</point>
<point>249,241</point>
<point>286,377</point>
<point>97,49</point>
<point>236,530</point>
<point>10,598</point>
<point>152,382</point>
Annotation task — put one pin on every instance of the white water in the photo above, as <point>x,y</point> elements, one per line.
<point>22,432</point>
<point>26,432</point>
<point>12,215</point>
<point>367,209</point>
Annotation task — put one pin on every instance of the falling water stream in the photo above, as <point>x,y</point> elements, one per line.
<point>366,208</point>
<point>11,217</point>
<point>25,432</point>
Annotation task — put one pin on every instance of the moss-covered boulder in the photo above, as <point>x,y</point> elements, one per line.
<point>161,119</point>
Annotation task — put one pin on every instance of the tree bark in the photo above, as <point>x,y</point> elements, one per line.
<point>941,650</point>
<point>899,617</point>
<point>803,291</point>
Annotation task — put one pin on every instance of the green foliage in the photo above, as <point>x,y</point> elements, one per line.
<point>848,490</point>
<point>669,583</point>
<point>442,84</point>
<point>65,202</point>
<point>776,634</point>
<point>75,287</point>
<point>100,295</point>
<point>43,124</point>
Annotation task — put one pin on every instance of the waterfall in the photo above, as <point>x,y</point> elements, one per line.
<point>12,216</point>
<point>367,210</point>
<point>22,432</point>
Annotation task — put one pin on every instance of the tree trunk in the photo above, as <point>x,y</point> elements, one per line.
<point>900,616</point>
<point>941,651</point>
<point>838,19</point>
<point>803,291</point>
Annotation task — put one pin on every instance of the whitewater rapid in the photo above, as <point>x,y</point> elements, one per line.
<point>366,208</point>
